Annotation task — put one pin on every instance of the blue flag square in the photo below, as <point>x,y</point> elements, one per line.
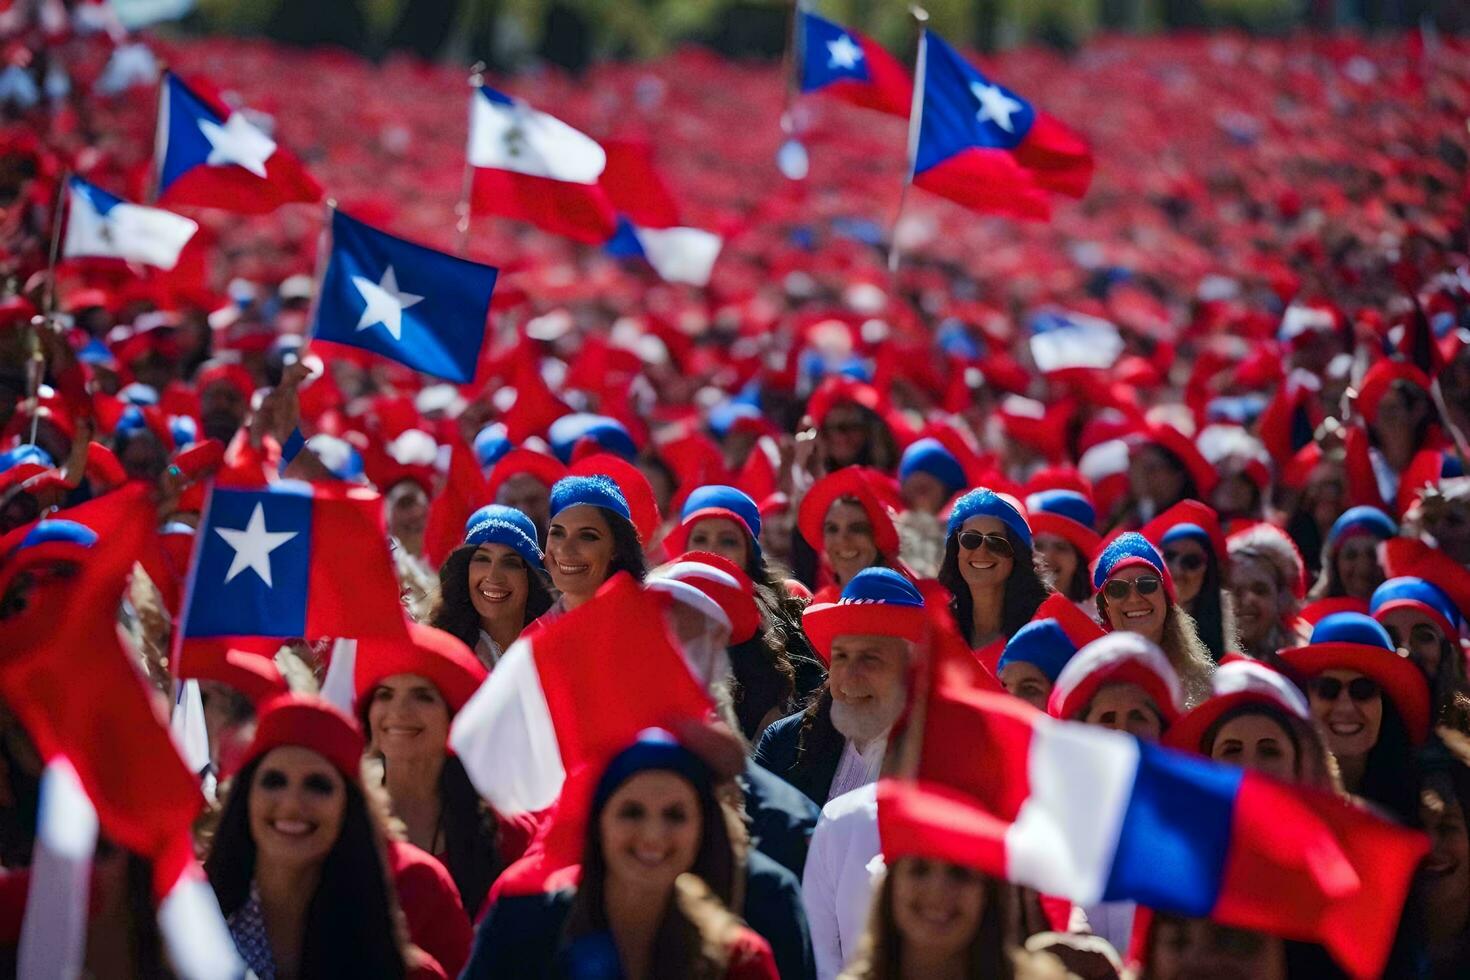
<point>411,304</point>
<point>186,146</point>
<point>962,109</point>
<point>252,566</point>
<point>829,54</point>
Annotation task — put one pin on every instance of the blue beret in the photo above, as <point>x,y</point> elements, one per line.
<point>725,498</point>
<point>497,524</point>
<point>881,586</point>
<point>930,456</point>
<point>1363,518</point>
<point>1042,643</point>
<point>1193,532</point>
<point>981,502</point>
<point>593,491</point>
<point>1406,590</point>
<point>491,443</point>
<point>608,433</point>
<point>1064,503</point>
<point>655,751</point>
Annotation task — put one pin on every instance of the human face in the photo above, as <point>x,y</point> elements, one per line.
<point>1450,526</point>
<point>845,432</point>
<point>1124,707</point>
<point>847,539</point>
<point>1154,476</point>
<point>1141,614</point>
<point>776,530</point>
<point>937,906</point>
<point>1027,682</point>
<point>1352,726</point>
<point>720,536</point>
<point>1258,601</point>
<point>297,803</point>
<point>407,718</point>
<point>1187,563</point>
<point>408,513</point>
<point>579,551</point>
<point>1357,565</point>
<point>868,683</point>
<point>1256,741</point>
<point>221,410</point>
<point>982,568</point>
<point>529,496</point>
<point>1413,633</point>
<point>704,643</point>
<point>1444,877</point>
<point>1184,949</point>
<point>500,584</point>
<point>1235,496</point>
<point>650,829</point>
<point>1059,556</point>
<point>924,493</point>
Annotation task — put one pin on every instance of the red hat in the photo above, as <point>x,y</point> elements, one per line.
<point>1408,557</point>
<point>233,375</point>
<point>1117,658</point>
<point>1236,683</point>
<point>1202,516</point>
<point>1181,446</point>
<point>1318,609</point>
<point>1378,379</point>
<point>542,467</point>
<point>440,658</point>
<point>860,484</point>
<point>637,491</point>
<point>1354,641</point>
<point>720,580</point>
<point>310,723</point>
<point>878,602</point>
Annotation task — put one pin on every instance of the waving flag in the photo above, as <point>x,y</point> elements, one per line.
<point>1062,340</point>
<point>1094,815</point>
<point>845,64</point>
<point>649,223</point>
<point>411,304</point>
<point>99,225</point>
<point>212,157</point>
<point>983,146</point>
<point>533,167</point>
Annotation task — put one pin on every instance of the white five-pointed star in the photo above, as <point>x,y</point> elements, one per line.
<point>385,304</point>
<point>995,105</point>
<point>253,546</point>
<point>843,53</point>
<point>237,142</point>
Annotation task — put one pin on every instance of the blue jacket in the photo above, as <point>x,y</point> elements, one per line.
<point>808,767</point>
<point>781,817</point>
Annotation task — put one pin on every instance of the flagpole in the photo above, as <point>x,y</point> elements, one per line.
<point>36,365</point>
<point>160,137</point>
<point>319,275</point>
<point>916,118</point>
<point>466,186</point>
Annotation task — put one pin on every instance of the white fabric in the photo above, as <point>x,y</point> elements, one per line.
<point>53,935</point>
<point>856,769</point>
<point>1113,921</point>
<point>1079,342</point>
<point>187,726</point>
<point>522,140</point>
<point>1056,846</point>
<point>132,232</point>
<point>838,881</point>
<point>338,687</point>
<point>505,737</point>
<point>488,650</point>
<point>684,255</point>
<point>194,932</point>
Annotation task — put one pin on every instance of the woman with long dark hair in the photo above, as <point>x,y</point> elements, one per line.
<point>659,874</point>
<point>991,572</point>
<point>494,585</point>
<point>1194,549</point>
<point>297,860</point>
<point>1373,705</point>
<point>591,539</point>
<point>1350,557</point>
<point>847,522</point>
<point>1425,623</point>
<point>1164,467</point>
<point>1063,536</point>
<point>407,696</point>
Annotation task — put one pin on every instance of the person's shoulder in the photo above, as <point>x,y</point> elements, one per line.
<point>860,804</point>
<point>772,792</point>
<point>413,865</point>
<point>765,876</point>
<point>779,736</point>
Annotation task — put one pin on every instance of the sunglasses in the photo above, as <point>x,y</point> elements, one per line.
<point>1117,589</point>
<point>1359,688</point>
<point>1190,562</point>
<point>997,544</point>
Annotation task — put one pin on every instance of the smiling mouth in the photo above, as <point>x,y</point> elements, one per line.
<point>650,858</point>
<point>1440,867</point>
<point>936,917</point>
<point>401,731</point>
<point>494,595</point>
<point>572,569</point>
<point>845,555</point>
<point>983,566</point>
<point>1138,614</point>
<point>293,828</point>
<point>1344,728</point>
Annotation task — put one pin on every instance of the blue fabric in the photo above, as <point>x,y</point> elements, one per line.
<point>66,532</point>
<point>497,524</point>
<point>1351,627</point>
<point>292,447</point>
<point>491,443</point>
<point>881,585</point>
<point>982,502</point>
<point>951,122</point>
<point>1130,545</point>
<point>805,767</point>
<point>781,817</point>
<point>929,456</point>
<point>774,911</point>
<point>608,433</point>
<point>1042,643</point>
<point>1193,532</point>
<point>591,491</point>
<point>655,750</point>
<point>1175,837</point>
<point>819,66</point>
<point>437,323</point>
<point>727,498</point>
<point>1415,590</point>
<point>1064,503</point>
<point>185,145</point>
<point>1370,519</point>
<point>339,456</point>
<point>25,454</point>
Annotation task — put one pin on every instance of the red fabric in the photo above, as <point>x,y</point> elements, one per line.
<point>579,211</point>
<point>353,587</point>
<point>634,185</point>
<point>889,90</point>
<point>750,957</point>
<point>430,653</point>
<point>310,723</point>
<point>464,490</point>
<point>437,922</point>
<point>990,181</point>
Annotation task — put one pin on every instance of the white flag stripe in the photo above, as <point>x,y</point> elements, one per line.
<point>520,139</point>
<point>53,937</point>
<point>198,941</point>
<point>339,687</point>
<point>1078,342</point>
<point>188,728</point>
<point>685,255</point>
<point>505,738</point>
<point>131,232</point>
<point>1055,845</point>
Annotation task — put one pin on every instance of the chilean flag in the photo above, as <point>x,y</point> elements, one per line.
<point>292,560</point>
<point>533,167</point>
<point>1094,815</point>
<point>845,64</point>
<point>983,146</point>
<point>212,157</point>
<point>99,225</point>
<point>649,223</point>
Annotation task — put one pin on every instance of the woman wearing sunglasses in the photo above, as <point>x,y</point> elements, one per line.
<point>1424,622</point>
<point>991,572</point>
<point>1373,704</point>
<point>1136,593</point>
<point>846,521</point>
<point>1188,535</point>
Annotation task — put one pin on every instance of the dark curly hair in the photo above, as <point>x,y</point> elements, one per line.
<point>1025,588</point>
<point>454,613</point>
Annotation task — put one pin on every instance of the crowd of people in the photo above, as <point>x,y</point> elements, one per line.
<point>1246,538</point>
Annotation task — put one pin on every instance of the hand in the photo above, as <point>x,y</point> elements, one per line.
<point>280,409</point>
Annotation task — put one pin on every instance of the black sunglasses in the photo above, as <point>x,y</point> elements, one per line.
<point>1190,562</point>
<point>998,544</point>
<point>1117,589</point>
<point>1359,688</point>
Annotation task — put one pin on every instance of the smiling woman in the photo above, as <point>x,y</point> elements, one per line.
<point>591,538</point>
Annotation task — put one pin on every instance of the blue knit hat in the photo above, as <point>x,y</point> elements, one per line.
<point>716,500</point>
<point>608,433</point>
<point>491,443</point>
<point>929,455</point>
<point>1063,503</point>
<point>1127,549</point>
<point>1042,643</point>
<point>593,491</point>
<point>1362,518</point>
<point>1419,595</point>
<point>498,524</point>
<point>982,502</point>
<point>1191,532</point>
<point>880,586</point>
<point>655,750</point>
